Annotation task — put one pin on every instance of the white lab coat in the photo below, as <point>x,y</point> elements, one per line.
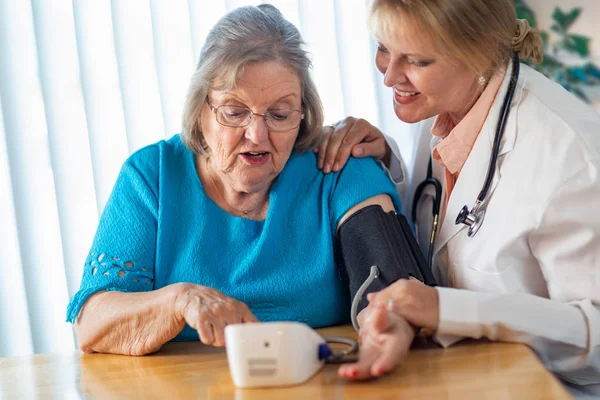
<point>532,272</point>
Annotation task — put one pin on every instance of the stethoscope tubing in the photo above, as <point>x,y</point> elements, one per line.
<point>500,128</point>
<point>474,215</point>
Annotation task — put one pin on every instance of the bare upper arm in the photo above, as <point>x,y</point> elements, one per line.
<point>384,200</point>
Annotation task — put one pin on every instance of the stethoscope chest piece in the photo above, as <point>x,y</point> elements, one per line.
<point>473,219</point>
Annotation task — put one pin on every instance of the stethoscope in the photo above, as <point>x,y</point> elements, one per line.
<point>473,218</point>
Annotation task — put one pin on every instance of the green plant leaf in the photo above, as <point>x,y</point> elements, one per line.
<point>564,20</point>
<point>577,74</point>
<point>592,70</point>
<point>551,61</point>
<point>544,36</point>
<point>577,44</point>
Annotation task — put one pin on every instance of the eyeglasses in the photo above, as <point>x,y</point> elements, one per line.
<point>239,116</point>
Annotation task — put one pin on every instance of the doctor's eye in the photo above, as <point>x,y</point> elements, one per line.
<point>420,63</point>
<point>381,48</point>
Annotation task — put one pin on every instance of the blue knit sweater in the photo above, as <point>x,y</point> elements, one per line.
<point>159,227</point>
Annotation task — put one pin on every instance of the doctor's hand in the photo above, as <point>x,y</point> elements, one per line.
<point>385,339</point>
<point>411,299</point>
<point>354,137</point>
<point>209,311</point>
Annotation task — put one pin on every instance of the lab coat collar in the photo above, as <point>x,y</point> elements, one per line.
<point>473,173</point>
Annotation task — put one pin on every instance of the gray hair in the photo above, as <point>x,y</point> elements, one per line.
<point>245,36</point>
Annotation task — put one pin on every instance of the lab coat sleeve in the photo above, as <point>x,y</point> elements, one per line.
<point>396,170</point>
<point>564,330</point>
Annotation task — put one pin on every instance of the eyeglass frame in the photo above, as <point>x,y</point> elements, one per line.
<point>214,110</point>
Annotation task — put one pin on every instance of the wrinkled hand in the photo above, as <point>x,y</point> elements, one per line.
<point>385,340</point>
<point>350,136</point>
<point>411,299</point>
<point>209,311</point>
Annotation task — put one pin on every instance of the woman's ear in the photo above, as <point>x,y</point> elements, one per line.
<point>203,143</point>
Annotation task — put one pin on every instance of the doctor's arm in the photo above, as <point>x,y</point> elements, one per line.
<point>563,330</point>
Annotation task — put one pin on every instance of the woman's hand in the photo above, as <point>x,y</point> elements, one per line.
<point>413,300</point>
<point>209,311</point>
<point>354,137</point>
<point>385,340</point>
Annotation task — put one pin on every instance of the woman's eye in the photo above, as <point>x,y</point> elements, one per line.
<point>381,49</point>
<point>232,114</point>
<point>419,63</point>
<point>278,115</point>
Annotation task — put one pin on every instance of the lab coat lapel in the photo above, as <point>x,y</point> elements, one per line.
<point>473,173</point>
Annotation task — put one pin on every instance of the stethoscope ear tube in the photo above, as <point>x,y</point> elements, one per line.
<point>474,218</point>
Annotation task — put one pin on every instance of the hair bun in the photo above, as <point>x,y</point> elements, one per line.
<point>527,42</point>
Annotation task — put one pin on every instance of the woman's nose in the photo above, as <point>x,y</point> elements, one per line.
<point>394,74</point>
<point>257,132</point>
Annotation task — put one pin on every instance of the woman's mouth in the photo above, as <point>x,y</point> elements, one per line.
<point>402,97</point>
<point>255,157</point>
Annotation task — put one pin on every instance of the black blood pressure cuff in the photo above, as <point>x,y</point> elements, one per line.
<point>372,237</point>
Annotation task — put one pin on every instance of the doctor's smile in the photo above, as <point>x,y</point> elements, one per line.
<point>402,97</point>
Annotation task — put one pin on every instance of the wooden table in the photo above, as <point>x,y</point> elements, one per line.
<point>473,370</point>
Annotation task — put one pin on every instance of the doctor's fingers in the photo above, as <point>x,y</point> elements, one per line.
<point>321,149</point>
<point>413,300</point>
<point>366,140</point>
<point>347,134</point>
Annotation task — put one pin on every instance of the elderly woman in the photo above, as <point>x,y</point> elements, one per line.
<point>232,221</point>
<point>529,269</point>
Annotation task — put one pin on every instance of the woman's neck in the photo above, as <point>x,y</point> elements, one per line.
<point>458,115</point>
<point>222,190</point>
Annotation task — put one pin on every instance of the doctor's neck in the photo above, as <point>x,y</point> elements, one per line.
<point>458,113</point>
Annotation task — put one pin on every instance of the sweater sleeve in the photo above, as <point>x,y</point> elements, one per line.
<point>123,251</point>
<point>564,330</point>
<point>360,180</point>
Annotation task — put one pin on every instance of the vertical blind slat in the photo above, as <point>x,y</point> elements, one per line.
<point>101,94</point>
<point>320,35</point>
<point>67,134</point>
<point>174,58</point>
<point>203,18</point>
<point>137,72</point>
<point>15,338</point>
<point>32,179</point>
<point>355,60</point>
<point>289,9</point>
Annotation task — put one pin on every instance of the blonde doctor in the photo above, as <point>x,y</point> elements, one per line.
<point>529,271</point>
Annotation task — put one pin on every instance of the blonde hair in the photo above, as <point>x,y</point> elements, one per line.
<point>244,36</point>
<point>482,34</point>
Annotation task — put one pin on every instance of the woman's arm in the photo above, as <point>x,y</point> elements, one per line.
<point>128,323</point>
<point>116,309</point>
<point>564,330</point>
<point>140,323</point>
<point>383,200</point>
<point>566,336</point>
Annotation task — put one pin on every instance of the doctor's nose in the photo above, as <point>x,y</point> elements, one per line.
<point>393,74</point>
